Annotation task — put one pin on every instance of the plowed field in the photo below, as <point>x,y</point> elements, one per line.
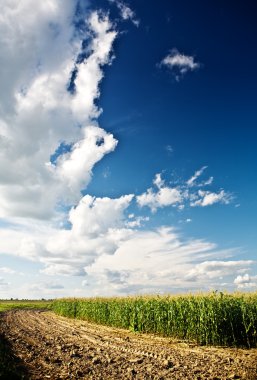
<point>53,347</point>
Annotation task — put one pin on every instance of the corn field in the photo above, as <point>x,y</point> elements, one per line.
<point>212,319</point>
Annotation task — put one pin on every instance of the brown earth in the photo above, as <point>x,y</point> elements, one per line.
<point>52,347</point>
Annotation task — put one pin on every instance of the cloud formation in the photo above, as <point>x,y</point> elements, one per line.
<point>207,198</point>
<point>50,142</point>
<point>179,63</point>
<point>218,269</point>
<point>7,270</point>
<point>126,12</point>
<point>97,226</point>
<point>182,195</point>
<point>162,261</point>
<point>197,174</point>
<point>245,281</point>
<point>165,196</point>
<point>39,113</point>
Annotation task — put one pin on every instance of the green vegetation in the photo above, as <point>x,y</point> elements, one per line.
<point>24,304</point>
<point>208,319</point>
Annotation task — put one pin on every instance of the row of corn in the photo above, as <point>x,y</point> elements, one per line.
<point>208,319</point>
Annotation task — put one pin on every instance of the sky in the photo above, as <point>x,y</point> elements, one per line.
<point>127,147</point>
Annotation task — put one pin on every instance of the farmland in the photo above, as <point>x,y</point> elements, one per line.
<point>10,365</point>
<point>24,304</point>
<point>211,319</point>
<point>39,344</point>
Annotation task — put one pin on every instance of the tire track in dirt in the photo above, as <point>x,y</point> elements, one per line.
<point>55,347</point>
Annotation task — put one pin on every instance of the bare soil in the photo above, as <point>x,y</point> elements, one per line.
<point>53,347</point>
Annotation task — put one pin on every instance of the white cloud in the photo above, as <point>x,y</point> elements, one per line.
<point>89,73</point>
<point>137,222</point>
<point>98,226</point>
<point>48,220</point>
<point>218,269</point>
<point>7,270</point>
<point>182,193</point>
<point>158,181</point>
<point>26,41</point>
<point>95,216</point>
<point>125,11</point>
<point>179,63</point>
<point>75,168</point>
<point>39,54</point>
<point>37,115</point>
<point>166,196</point>
<point>208,181</point>
<point>207,198</point>
<point>158,261</point>
<point>198,173</point>
<point>245,281</point>
<point>117,259</point>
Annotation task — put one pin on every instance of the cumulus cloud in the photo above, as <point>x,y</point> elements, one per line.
<point>165,196</point>
<point>37,111</point>
<point>180,195</point>
<point>49,103</point>
<point>75,167</point>
<point>207,198</point>
<point>89,72</point>
<point>25,43</point>
<point>98,226</point>
<point>50,142</point>
<point>158,181</point>
<point>179,63</point>
<point>245,281</point>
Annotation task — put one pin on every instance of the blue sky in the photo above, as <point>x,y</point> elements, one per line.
<point>128,147</point>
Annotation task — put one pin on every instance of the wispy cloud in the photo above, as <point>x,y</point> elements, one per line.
<point>7,270</point>
<point>197,174</point>
<point>169,264</point>
<point>126,12</point>
<point>169,149</point>
<point>179,63</point>
<point>218,269</point>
